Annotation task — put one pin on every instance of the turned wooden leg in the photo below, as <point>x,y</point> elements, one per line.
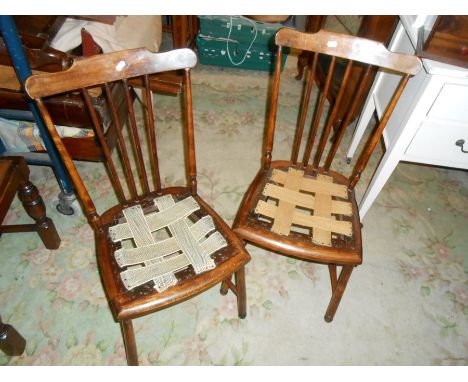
<point>129,342</point>
<point>34,206</point>
<point>338,292</point>
<point>333,279</point>
<point>241,293</point>
<point>238,289</point>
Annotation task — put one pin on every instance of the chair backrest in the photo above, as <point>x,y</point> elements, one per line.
<point>101,73</point>
<point>343,47</point>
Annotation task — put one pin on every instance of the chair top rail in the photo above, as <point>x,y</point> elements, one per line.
<point>108,67</point>
<point>350,47</point>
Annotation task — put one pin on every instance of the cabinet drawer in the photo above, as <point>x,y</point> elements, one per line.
<point>451,103</point>
<point>434,143</point>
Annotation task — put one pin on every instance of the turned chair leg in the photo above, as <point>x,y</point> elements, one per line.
<point>238,289</point>
<point>129,342</point>
<point>338,291</point>
<point>241,293</point>
<point>34,206</point>
<point>333,278</point>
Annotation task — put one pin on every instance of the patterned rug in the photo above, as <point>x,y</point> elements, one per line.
<point>407,304</point>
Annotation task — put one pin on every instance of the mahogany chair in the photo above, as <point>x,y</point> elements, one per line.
<point>301,208</point>
<point>142,273</point>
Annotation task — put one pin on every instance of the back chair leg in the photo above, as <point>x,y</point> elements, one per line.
<point>225,286</point>
<point>129,342</point>
<point>241,293</point>
<point>338,292</point>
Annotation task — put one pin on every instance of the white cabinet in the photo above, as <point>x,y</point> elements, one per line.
<point>430,117</point>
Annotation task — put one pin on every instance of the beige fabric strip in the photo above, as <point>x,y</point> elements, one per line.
<point>312,185</point>
<point>304,200</point>
<point>284,213</point>
<point>323,208</point>
<point>342,227</point>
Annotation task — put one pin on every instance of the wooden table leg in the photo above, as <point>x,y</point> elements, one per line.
<point>34,206</point>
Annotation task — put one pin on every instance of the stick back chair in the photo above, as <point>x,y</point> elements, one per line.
<point>199,250</point>
<point>301,208</point>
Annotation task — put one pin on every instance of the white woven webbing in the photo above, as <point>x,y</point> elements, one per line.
<point>157,261</point>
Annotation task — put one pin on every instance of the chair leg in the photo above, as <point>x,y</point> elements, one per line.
<point>34,206</point>
<point>241,293</point>
<point>225,286</point>
<point>238,289</point>
<point>129,342</point>
<point>338,292</point>
<point>333,279</point>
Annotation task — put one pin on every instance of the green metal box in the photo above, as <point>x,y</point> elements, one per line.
<point>243,29</point>
<point>244,48</point>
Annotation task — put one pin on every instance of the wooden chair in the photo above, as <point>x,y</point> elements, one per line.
<point>201,250</point>
<point>379,28</point>
<point>14,179</point>
<point>305,210</point>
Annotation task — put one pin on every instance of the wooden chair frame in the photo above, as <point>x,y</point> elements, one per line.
<point>335,237</point>
<point>124,67</point>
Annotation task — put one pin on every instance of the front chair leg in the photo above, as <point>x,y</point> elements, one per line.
<point>129,342</point>
<point>338,292</point>
<point>238,289</point>
<point>241,293</point>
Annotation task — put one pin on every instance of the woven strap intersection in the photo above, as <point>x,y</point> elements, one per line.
<point>157,261</point>
<point>296,193</point>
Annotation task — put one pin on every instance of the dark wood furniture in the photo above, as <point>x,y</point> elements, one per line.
<point>302,208</point>
<point>14,179</point>
<point>147,202</point>
<point>67,109</point>
<point>374,27</point>
<point>448,41</point>
<point>12,343</point>
<point>36,33</point>
<point>184,29</point>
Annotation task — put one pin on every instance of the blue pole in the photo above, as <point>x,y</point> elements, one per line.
<point>20,63</point>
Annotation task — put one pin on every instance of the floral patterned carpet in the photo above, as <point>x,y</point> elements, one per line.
<point>407,304</point>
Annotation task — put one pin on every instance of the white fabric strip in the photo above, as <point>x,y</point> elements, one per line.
<point>162,273</point>
<point>138,276</point>
<point>157,220</point>
<point>132,256</point>
<point>138,226</point>
<point>161,259</point>
<point>187,244</point>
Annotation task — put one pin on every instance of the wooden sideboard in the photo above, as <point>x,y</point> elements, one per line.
<point>430,120</point>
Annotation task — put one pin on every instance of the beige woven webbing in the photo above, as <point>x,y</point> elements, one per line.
<point>158,261</point>
<point>296,192</point>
